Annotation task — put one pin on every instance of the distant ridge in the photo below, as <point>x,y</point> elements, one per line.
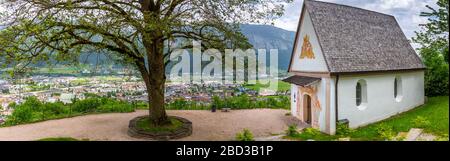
<point>260,36</point>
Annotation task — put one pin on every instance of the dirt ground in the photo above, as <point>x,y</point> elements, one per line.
<point>206,125</point>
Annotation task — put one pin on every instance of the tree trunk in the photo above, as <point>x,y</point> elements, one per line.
<point>157,84</point>
<point>155,81</point>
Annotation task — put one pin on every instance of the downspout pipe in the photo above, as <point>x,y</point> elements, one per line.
<point>336,98</point>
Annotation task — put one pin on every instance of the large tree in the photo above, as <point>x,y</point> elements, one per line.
<point>130,31</point>
<point>433,39</point>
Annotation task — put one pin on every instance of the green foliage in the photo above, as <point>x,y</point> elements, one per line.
<point>245,102</point>
<point>437,113</point>
<point>245,135</point>
<point>442,138</point>
<point>281,86</point>
<point>183,104</point>
<point>91,95</point>
<point>56,94</point>
<point>292,130</point>
<point>12,105</point>
<point>32,102</point>
<point>436,110</point>
<point>436,75</point>
<point>115,106</point>
<point>421,122</point>
<point>311,131</point>
<point>33,110</point>
<point>434,51</point>
<point>385,132</point>
<point>87,105</point>
<point>39,88</point>
<point>312,134</point>
<point>57,108</point>
<point>21,114</point>
<point>343,129</point>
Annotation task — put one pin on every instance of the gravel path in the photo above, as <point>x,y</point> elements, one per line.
<point>206,125</point>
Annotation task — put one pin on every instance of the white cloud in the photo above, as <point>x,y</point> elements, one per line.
<point>291,16</point>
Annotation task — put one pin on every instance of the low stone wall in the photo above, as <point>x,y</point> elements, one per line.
<point>184,131</point>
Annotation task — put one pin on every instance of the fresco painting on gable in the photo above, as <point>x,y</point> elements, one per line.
<point>307,51</point>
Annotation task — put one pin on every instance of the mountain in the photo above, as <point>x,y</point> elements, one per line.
<point>270,37</point>
<point>260,36</point>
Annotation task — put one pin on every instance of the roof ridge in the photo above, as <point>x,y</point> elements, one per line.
<point>348,6</point>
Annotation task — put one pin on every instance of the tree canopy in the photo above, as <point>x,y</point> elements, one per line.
<point>42,30</point>
<point>136,32</point>
<point>434,51</point>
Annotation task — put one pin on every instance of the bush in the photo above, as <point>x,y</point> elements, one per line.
<point>26,112</point>
<point>292,130</point>
<point>33,110</point>
<point>311,131</point>
<point>245,102</point>
<point>436,74</point>
<point>57,108</point>
<point>179,104</point>
<point>116,106</point>
<point>343,130</point>
<point>87,105</point>
<point>91,95</point>
<point>421,122</point>
<point>12,105</point>
<point>385,132</point>
<point>246,135</point>
<point>33,102</point>
<point>217,102</point>
<point>22,114</point>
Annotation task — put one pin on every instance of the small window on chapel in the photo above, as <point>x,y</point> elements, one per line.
<point>398,89</point>
<point>361,94</point>
<point>358,94</point>
<point>395,88</point>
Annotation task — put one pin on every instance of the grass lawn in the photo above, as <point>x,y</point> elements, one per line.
<point>282,86</point>
<point>435,113</point>
<point>58,70</point>
<point>145,125</point>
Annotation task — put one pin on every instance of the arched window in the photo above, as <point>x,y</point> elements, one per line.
<point>398,89</point>
<point>358,94</point>
<point>361,94</point>
<point>395,88</point>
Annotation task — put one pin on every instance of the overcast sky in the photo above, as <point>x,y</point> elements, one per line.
<point>405,11</point>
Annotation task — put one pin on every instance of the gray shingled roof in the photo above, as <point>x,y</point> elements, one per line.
<point>301,80</point>
<point>358,40</point>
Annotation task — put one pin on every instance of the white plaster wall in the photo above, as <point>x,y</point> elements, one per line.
<point>381,103</point>
<point>315,65</point>
<point>321,94</point>
<point>332,106</point>
<point>294,101</point>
